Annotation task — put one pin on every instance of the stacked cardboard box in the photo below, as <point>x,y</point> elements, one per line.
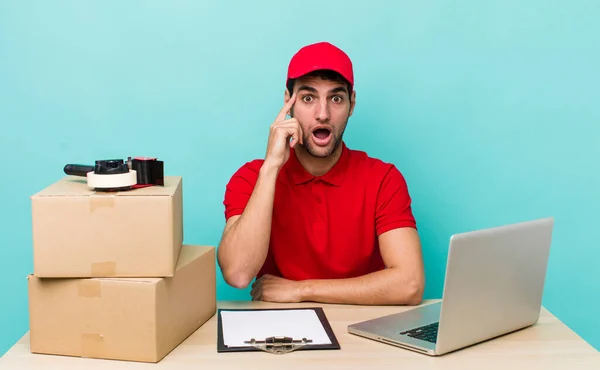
<point>111,277</point>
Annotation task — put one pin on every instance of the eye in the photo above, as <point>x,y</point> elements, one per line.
<point>307,98</point>
<point>337,99</point>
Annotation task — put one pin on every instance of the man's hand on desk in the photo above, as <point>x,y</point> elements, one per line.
<point>275,289</point>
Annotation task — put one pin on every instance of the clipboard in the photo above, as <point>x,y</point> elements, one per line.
<point>278,342</point>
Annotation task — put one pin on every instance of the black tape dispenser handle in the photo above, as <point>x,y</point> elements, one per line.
<point>78,169</point>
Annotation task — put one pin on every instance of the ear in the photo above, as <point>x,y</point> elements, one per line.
<point>352,102</point>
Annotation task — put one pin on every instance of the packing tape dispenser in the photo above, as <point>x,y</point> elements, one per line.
<point>118,175</point>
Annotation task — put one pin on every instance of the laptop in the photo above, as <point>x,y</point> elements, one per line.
<point>493,286</point>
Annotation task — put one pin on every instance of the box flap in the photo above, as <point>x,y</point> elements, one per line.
<point>77,186</point>
<point>68,185</point>
<point>130,280</point>
<point>126,280</point>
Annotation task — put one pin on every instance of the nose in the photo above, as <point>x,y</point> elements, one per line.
<point>322,113</point>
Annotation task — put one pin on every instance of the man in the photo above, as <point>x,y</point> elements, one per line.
<point>314,220</point>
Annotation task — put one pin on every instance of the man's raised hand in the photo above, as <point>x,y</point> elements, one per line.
<point>279,143</point>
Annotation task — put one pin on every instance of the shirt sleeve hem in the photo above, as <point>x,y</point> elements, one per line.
<point>233,212</point>
<point>396,225</point>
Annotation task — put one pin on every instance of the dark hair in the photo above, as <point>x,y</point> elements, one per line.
<point>325,74</point>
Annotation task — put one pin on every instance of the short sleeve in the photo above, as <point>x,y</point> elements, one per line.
<point>394,208</point>
<point>240,188</point>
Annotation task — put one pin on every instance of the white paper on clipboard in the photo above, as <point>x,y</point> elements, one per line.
<point>241,326</point>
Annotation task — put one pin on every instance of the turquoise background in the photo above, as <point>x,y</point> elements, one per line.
<point>490,109</point>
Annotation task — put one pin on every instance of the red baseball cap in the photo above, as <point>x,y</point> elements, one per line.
<point>322,55</point>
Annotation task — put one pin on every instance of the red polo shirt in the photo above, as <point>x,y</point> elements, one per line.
<point>326,227</point>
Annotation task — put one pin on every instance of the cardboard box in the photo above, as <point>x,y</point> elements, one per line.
<point>134,319</point>
<point>78,232</point>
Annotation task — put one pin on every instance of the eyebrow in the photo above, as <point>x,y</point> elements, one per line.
<point>307,88</point>
<point>338,90</point>
<point>313,90</point>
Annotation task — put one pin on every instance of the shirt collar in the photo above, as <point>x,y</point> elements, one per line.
<point>335,176</point>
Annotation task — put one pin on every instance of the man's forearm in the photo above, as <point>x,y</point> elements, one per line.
<point>244,246</point>
<point>385,287</point>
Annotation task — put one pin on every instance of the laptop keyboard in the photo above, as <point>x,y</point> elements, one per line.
<point>427,333</point>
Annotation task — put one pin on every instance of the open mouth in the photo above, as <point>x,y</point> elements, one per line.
<point>322,134</point>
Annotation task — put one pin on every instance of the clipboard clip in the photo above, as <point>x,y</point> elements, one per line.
<point>278,345</point>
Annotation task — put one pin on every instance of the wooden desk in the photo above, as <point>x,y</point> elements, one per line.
<point>548,345</point>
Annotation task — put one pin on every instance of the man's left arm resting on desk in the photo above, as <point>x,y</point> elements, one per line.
<point>401,282</point>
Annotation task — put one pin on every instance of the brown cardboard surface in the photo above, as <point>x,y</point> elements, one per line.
<point>78,232</point>
<point>133,319</point>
